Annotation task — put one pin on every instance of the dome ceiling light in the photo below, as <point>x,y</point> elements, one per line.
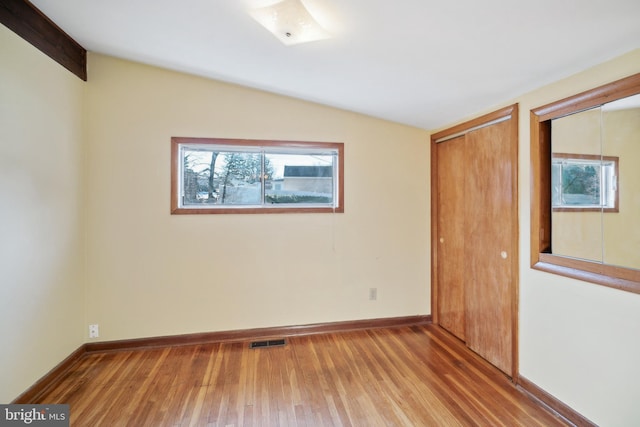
<point>290,22</point>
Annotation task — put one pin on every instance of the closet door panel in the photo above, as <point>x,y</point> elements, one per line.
<point>450,239</point>
<point>488,243</point>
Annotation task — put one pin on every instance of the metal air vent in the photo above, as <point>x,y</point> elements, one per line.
<point>268,343</point>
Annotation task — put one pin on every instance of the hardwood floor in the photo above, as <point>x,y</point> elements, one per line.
<point>405,376</point>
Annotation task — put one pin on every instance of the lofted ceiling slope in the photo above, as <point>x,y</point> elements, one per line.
<point>424,63</point>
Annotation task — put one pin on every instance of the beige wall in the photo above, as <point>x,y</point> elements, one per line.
<point>151,273</point>
<point>41,243</point>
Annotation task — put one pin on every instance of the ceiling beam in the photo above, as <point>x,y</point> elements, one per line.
<point>24,19</point>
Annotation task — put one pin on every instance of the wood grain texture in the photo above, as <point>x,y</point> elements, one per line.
<point>588,271</point>
<point>540,157</point>
<point>406,376</point>
<point>450,242</point>
<point>489,244</point>
<point>50,379</point>
<point>506,112</point>
<point>514,254</point>
<point>591,98</point>
<point>24,19</point>
<point>435,214</point>
<point>475,235</point>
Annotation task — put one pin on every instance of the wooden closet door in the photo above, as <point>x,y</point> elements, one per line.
<point>450,239</point>
<point>489,243</point>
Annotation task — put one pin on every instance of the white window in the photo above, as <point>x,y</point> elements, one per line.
<point>584,182</point>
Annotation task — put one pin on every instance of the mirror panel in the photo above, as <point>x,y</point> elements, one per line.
<point>617,265</point>
<point>575,233</point>
<point>595,180</point>
<point>621,137</point>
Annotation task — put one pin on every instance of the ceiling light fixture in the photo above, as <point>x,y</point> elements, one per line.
<point>290,22</point>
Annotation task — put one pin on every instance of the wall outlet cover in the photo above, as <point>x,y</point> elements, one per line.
<point>94,331</point>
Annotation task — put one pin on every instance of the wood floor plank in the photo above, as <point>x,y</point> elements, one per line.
<point>401,376</point>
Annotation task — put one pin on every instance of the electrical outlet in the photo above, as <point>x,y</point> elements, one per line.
<point>94,332</point>
<point>373,294</point>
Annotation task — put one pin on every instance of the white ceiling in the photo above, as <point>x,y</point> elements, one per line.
<point>424,63</point>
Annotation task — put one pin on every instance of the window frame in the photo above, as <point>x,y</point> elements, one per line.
<point>284,147</point>
<point>598,161</point>
<point>542,258</point>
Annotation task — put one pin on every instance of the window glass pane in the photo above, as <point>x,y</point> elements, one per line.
<point>609,184</point>
<point>581,184</point>
<point>299,178</point>
<point>237,179</point>
<point>556,187</point>
<point>221,177</point>
<point>195,174</point>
